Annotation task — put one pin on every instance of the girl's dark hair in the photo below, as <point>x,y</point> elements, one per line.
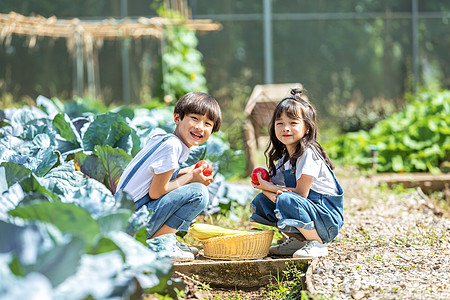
<point>201,104</point>
<point>295,106</point>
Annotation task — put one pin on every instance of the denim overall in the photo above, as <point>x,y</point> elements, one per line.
<point>291,211</point>
<point>176,209</point>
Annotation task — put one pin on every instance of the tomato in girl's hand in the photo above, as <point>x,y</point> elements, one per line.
<point>208,170</point>
<point>263,172</point>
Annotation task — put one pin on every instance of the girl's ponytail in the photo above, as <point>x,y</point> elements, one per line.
<point>297,93</point>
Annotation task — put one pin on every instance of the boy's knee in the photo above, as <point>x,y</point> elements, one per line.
<point>200,193</point>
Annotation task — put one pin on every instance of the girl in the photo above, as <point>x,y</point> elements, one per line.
<point>303,198</point>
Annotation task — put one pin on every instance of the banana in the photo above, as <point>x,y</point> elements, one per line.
<point>202,232</point>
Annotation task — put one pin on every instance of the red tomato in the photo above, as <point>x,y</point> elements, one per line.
<point>263,172</point>
<point>208,170</point>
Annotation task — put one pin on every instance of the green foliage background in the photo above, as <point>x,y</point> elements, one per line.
<point>416,139</point>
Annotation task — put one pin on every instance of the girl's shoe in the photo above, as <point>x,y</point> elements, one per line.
<point>311,250</point>
<point>288,247</point>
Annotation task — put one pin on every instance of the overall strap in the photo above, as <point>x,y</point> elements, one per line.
<point>338,185</point>
<point>320,156</point>
<point>143,159</point>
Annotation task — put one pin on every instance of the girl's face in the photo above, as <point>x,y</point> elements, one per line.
<point>289,131</point>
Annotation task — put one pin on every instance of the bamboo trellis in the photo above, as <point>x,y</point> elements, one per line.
<point>14,23</point>
<point>84,38</point>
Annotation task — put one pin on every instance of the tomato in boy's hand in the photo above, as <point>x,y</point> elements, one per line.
<point>263,172</point>
<point>208,170</point>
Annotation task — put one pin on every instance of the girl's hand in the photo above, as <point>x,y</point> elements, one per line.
<point>281,191</point>
<point>263,184</point>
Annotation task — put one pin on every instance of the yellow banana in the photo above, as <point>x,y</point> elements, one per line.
<point>201,231</point>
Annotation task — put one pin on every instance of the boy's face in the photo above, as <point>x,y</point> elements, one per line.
<point>194,129</point>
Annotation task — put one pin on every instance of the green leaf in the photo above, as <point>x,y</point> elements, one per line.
<point>196,154</point>
<point>26,114</point>
<point>419,164</point>
<point>60,262</point>
<point>64,179</point>
<point>68,217</point>
<point>14,173</point>
<point>66,129</point>
<point>141,257</point>
<point>16,267</point>
<point>90,165</point>
<point>104,245</point>
<point>116,221</point>
<point>34,250</point>
<point>416,136</point>
<point>31,184</point>
<point>124,111</point>
<point>50,107</point>
<point>9,199</point>
<point>27,153</point>
<point>75,109</point>
<point>142,236</point>
<point>44,161</point>
<point>21,241</point>
<point>424,133</point>
<point>112,130</point>
<point>139,219</point>
<point>114,162</point>
<point>38,127</point>
<point>397,163</point>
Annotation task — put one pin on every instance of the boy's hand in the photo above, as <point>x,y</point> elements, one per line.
<point>197,176</point>
<point>189,169</point>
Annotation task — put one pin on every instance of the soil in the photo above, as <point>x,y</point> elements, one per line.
<point>395,244</point>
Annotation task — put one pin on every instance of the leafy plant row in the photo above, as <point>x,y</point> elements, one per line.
<point>63,231</point>
<point>416,139</point>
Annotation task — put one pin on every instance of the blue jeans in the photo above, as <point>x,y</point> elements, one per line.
<point>176,209</point>
<point>292,211</point>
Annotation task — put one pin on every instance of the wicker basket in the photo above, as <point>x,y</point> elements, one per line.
<point>249,245</point>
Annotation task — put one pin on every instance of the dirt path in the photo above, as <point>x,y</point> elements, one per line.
<point>393,245</point>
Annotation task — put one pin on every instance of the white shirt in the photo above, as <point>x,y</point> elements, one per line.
<point>310,164</point>
<point>168,156</point>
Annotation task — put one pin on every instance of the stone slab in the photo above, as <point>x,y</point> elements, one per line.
<point>426,181</point>
<point>239,274</point>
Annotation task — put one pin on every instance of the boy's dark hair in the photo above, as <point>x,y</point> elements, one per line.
<point>202,104</point>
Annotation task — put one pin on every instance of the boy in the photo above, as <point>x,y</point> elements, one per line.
<point>152,177</point>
